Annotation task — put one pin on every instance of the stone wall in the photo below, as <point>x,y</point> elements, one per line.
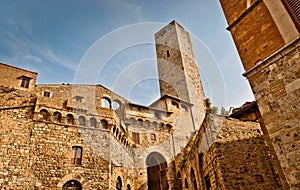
<point>275,84</point>
<point>227,154</point>
<point>12,77</point>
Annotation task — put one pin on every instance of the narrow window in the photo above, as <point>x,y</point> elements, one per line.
<point>153,136</point>
<point>168,53</point>
<point>46,94</point>
<point>25,82</point>
<point>175,104</point>
<point>136,137</point>
<point>207,182</point>
<point>128,187</point>
<point>119,183</point>
<point>186,184</point>
<point>76,155</point>
<point>194,179</point>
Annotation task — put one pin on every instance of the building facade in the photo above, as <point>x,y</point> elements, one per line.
<point>71,136</point>
<point>266,34</point>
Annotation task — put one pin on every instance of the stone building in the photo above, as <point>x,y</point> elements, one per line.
<point>71,136</point>
<point>266,34</point>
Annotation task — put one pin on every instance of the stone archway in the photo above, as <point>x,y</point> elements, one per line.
<point>157,172</point>
<point>72,185</point>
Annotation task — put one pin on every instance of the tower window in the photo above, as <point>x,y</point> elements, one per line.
<point>76,155</point>
<point>168,53</point>
<point>46,94</point>
<point>153,136</point>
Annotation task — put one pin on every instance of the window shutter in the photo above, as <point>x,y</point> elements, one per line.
<point>295,5</point>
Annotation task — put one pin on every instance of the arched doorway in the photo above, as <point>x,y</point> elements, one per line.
<point>157,172</point>
<point>72,185</point>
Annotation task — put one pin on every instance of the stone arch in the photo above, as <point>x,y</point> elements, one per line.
<point>106,102</point>
<point>116,105</point>
<point>81,121</point>
<point>93,122</point>
<point>44,115</point>
<point>70,119</point>
<point>104,124</point>
<point>72,185</point>
<point>157,171</point>
<point>132,120</point>
<point>73,177</point>
<point>57,117</point>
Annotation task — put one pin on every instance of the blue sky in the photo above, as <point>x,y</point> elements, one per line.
<point>56,37</point>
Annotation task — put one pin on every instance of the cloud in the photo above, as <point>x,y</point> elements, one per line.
<point>23,49</point>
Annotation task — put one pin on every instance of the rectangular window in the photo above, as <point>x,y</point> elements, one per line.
<point>136,137</point>
<point>25,82</point>
<point>76,155</point>
<point>46,94</point>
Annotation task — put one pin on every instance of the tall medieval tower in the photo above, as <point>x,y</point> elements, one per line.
<point>178,70</point>
<point>266,34</point>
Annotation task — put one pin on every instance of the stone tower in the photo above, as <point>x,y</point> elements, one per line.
<point>266,34</point>
<point>178,70</point>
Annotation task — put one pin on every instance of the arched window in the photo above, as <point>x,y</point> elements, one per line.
<point>57,117</point>
<point>116,105</point>
<point>106,103</point>
<point>119,183</point>
<point>76,155</point>
<point>81,120</point>
<point>70,119</point>
<point>128,187</point>
<point>186,184</point>
<point>93,122</point>
<point>193,177</point>
<point>104,123</point>
<point>44,115</point>
<point>72,185</point>
<point>179,184</point>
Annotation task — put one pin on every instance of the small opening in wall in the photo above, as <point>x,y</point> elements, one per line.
<point>46,94</point>
<point>259,178</point>
<point>168,53</point>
